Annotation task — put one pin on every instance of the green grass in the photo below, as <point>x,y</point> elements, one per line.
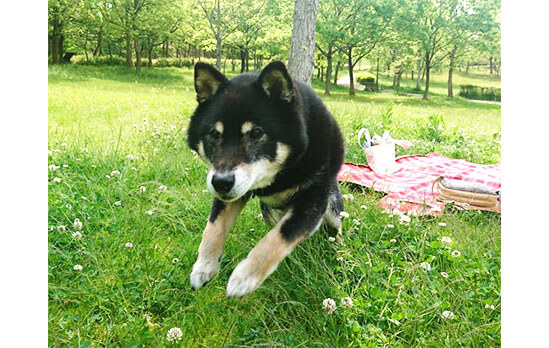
<point>130,297</point>
<point>438,85</point>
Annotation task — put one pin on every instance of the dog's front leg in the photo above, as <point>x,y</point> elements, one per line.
<point>222,218</point>
<point>298,223</point>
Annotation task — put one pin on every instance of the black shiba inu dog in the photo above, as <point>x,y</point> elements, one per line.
<point>265,135</point>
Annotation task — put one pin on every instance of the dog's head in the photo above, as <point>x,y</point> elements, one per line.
<point>247,129</point>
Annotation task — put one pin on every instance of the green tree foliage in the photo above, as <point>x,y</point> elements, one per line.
<point>396,36</point>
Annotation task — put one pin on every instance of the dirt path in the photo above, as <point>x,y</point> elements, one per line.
<point>345,81</point>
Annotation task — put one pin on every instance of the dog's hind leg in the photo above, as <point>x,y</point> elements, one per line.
<point>335,207</point>
<point>271,215</point>
<point>212,246</point>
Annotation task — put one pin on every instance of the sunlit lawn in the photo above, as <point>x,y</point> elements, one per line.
<point>111,133</point>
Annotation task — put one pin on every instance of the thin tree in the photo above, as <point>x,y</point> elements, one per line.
<point>302,50</point>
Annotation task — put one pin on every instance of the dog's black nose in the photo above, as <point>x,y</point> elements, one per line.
<point>223,183</point>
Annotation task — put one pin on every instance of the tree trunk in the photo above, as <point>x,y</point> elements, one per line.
<point>351,76</point>
<point>128,48</point>
<point>491,66</point>
<point>86,47</point>
<point>242,61</point>
<point>55,38</point>
<point>450,86</point>
<point>427,75</point>
<point>302,51</point>
<point>149,56</point>
<point>218,43</point>
<point>137,55</point>
<point>336,72</point>
<point>451,72</point>
<point>418,86</point>
<point>98,51</point>
<point>377,74</point>
<point>328,73</point>
<point>218,37</point>
<point>61,47</point>
<point>467,68</point>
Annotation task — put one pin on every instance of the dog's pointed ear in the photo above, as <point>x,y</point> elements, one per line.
<point>207,81</point>
<point>276,82</point>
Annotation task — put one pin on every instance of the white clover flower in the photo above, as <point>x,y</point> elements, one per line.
<point>404,219</point>
<point>425,265</point>
<point>65,165</point>
<point>130,156</point>
<point>53,167</point>
<point>348,196</point>
<point>107,176</point>
<point>390,226</point>
<point>117,203</point>
<point>442,224</point>
<point>63,144</point>
<point>174,334</point>
<point>456,253</point>
<point>85,149</point>
<point>175,260</point>
<point>252,229</point>
<point>77,267</point>
<point>128,245</point>
<point>340,259</point>
<point>142,188</point>
<point>344,215</point>
<point>356,221</point>
<point>76,235</point>
<point>331,239</point>
<point>115,173</point>
<point>77,224</point>
<point>134,169</point>
<point>84,198</point>
<point>204,191</point>
<point>448,315</point>
<point>393,240</point>
<point>162,188</point>
<point>149,212</point>
<point>329,305</point>
<point>490,306</point>
<point>61,228</point>
<point>56,180</point>
<point>444,274</point>
<point>68,206</point>
<point>446,239</point>
<point>50,152</point>
<point>363,207</point>
<point>347,302</point>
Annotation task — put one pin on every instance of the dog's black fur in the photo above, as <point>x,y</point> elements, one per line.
<point>285,121</point>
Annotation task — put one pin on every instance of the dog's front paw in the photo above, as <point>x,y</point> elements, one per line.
<point>243,280</point>
<point>203,272</point>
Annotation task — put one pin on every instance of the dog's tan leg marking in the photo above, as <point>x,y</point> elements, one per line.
<point>212,245</point>
<point>261,261</point>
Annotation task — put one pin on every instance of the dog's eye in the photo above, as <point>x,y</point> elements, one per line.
<point>256,133</point>
<point>214,134</point>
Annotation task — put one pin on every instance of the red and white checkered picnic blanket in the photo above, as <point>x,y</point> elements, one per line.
<point>410,187</point>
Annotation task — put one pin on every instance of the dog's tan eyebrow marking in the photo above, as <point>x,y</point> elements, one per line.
<point>219,126</point>
<point>246,127</point>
